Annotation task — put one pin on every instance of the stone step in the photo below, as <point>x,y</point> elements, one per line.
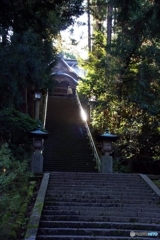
<point>80,166</point>
<point>76,237</point>
<point>100,182</point>
<point>86,231</point>
<point>94,176</point>
<point>94,188</point>
<point>67,131</point>
<point>102,200</point>
<point>122,209</point>
<point>100,176</point>
<point>102,185</point>
<point>101,212</point>
<point>126,219</point>
<point>96,198</point>
<point>106,225</point>
<point>110,203</point>
<point>84,204</point>
<point>108,175</point>
<point>100,192</point>
<point>111,186</point>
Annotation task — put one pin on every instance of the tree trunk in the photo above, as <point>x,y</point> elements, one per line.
<point>109,24</point>
<point>89,26</point>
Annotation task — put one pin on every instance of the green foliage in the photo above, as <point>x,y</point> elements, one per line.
<point>14,129</point>
<point>69,55</point>
<point>14,181</point>
<point>157,183</point>
<point>125,83</point>
<point>25,55</point>
<point>24,63</point>
<point>42,16</point>
<point>21,220</point>
<point>118,167</point>
<point>28,30</point>
<point>139,144</point>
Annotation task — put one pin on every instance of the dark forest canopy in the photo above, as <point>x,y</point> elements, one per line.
<point>25,54</point>
<point>38,14</point>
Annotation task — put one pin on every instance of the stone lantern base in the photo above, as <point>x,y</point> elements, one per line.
<point>37,162</point>
<point>107,164</point>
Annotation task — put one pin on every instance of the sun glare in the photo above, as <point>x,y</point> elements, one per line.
<point>83,115</point>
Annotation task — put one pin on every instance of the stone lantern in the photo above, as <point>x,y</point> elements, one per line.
<point>107,139</point>
<point>91,103</point>
<point>37,158</point>
<point>37,96</point>
<point>107,160</point>
<point>38,137</point>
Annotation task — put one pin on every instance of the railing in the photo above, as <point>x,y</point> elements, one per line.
<point>92,144</point>
<point>45,109</point>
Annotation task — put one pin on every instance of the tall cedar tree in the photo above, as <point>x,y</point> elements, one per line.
<point>125,82</point>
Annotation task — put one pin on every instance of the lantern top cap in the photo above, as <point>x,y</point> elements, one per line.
<point>39,133</point>
<point>109,136</point>
<point>38,95</point>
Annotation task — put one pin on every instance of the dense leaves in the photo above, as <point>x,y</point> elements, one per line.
<point>28,30</point>
<point>125,83</point>
<point>14,129</point>
<point>39,15</point>
<point>14,181</point>
<point>23,63</point>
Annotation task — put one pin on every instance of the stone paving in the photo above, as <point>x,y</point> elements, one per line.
<point>99,206</point>
<point>80,204</point>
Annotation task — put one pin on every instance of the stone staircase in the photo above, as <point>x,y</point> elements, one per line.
<point>99,206</point>
<point>80,203</point>
<point>67,148</point>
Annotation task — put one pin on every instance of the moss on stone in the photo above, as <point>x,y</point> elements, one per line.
<point>21,217</point>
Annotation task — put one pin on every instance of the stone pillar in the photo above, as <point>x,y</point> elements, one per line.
<point>37,107</point>
<point>107,164</point>
<point>107,160</point>
<point>37,161</point>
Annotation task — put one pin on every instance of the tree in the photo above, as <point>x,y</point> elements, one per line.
<point>14,129</point>
<point>24,63</point>
<point>15,193</point>
<point>26,55</point>
<point>125,82</point>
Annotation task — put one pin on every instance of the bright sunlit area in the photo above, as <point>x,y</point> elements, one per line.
<point>75,38</point>
<point>83,115</point>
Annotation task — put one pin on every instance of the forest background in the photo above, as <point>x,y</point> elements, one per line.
<point>122,67</point>
<point>123,77</point>
<point>28,31</point>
